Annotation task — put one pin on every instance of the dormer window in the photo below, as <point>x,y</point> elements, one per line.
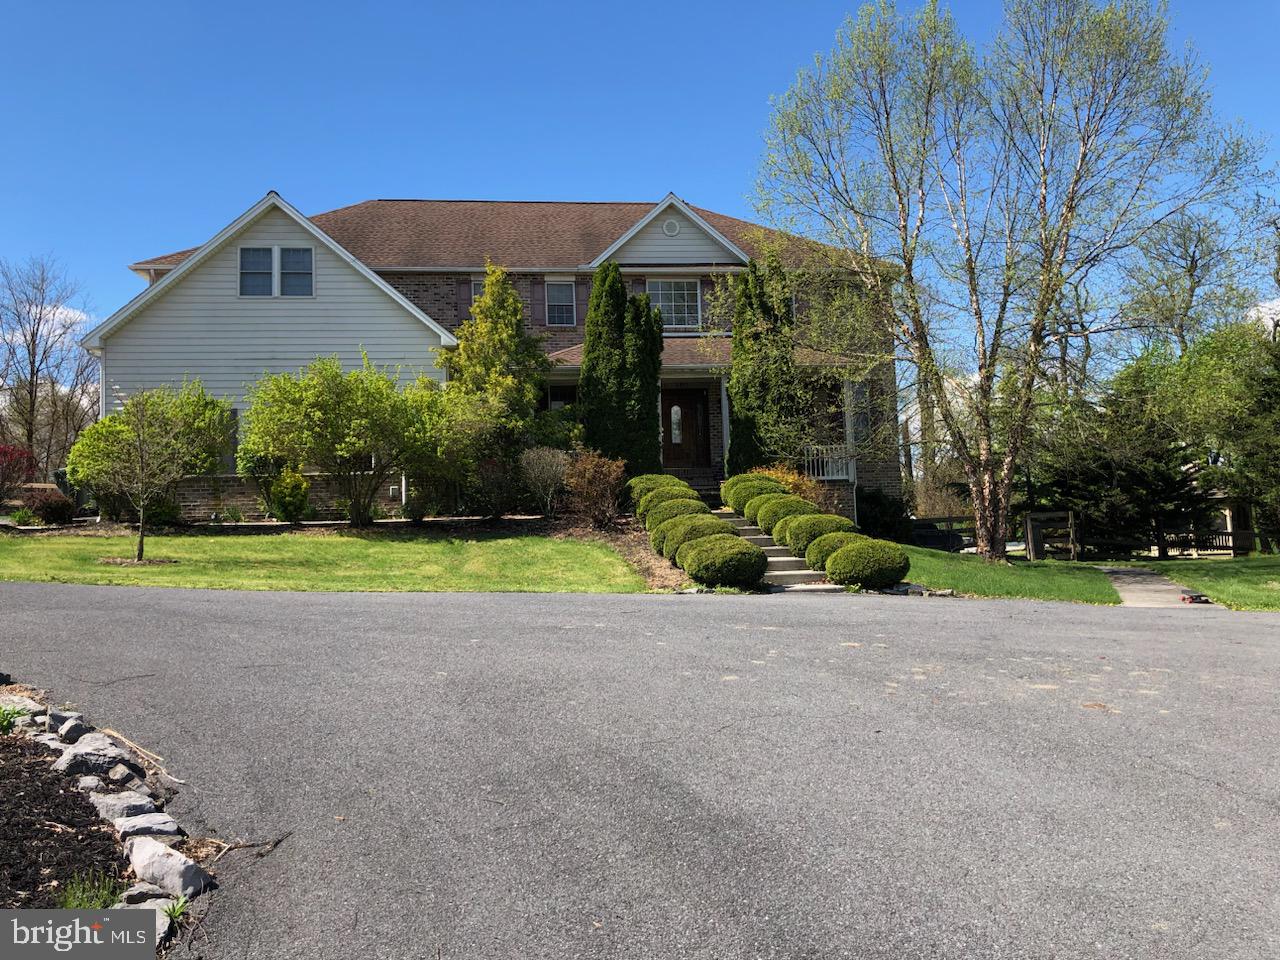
<point>680,302</point>
<point>277,272</point>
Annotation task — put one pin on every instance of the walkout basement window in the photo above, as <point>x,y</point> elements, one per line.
<point>295,272</point>
<point>255,271</point>
<point>560,305</point>
<point>679,302</point>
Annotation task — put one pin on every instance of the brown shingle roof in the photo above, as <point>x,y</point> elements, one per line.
<point>708,351</point>
<point>434,234</point>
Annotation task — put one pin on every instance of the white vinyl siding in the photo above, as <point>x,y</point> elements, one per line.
<point>691,245</point>
<point>201,328</point>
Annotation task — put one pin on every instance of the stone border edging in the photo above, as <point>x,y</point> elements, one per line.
<point>114,778</point>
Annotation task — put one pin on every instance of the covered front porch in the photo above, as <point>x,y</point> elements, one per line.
<point>694,407</point>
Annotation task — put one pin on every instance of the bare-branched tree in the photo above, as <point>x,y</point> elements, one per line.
<point>993,201</point>
<point>48,383</point>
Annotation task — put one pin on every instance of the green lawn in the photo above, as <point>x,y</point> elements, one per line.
<point>1242,583</point>
<point>331,561</point>
<point>1043,580</point>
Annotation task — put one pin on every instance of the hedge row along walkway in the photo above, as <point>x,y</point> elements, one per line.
<point>785,570</point>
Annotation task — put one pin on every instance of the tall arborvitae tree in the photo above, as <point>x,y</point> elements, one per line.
<point>642,346</point>
<point>619,384</point>
<point>600,400</point>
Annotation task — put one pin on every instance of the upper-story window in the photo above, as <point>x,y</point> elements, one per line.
<point>295,272</point>
<point>679,301</point>
<point>255,271</point>
<point>277,272</point>
<point>561,309</point>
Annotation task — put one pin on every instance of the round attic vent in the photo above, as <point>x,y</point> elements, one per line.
<point>671,227</point>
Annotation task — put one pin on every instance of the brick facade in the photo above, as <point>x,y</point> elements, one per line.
<point>200,499</point>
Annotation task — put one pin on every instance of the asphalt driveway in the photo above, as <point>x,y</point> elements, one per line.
<point>710,777</point>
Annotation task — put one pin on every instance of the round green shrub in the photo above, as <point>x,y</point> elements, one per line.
<point>815,558</point>
<point>678,531</point>
<point>673,508</point>
<point>724,560</point>
<point>744,491</point>
<point>729,485</point>
<point>806,528</point>
<point>873,564</point>
<point>637,487</point>
<point>662,495</point>
<point>775,510</point>
<point>781,530</point>
<point>752,510</point>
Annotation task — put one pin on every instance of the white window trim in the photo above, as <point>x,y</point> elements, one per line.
<point>546,302</point>
<point>677,326</point>
<point>275,271</point>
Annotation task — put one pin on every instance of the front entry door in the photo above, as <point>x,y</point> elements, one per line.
<point>686,432</point>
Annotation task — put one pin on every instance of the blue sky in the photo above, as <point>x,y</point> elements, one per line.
<point>132,132</point>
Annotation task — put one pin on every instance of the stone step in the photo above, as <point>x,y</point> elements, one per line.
<point>759,539</point>
<point>788,577</point>
<point>776,551</point>
<point>806,588</point>
<point>778,564</point>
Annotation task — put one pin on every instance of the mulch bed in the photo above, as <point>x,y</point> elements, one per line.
<point>49,831</point>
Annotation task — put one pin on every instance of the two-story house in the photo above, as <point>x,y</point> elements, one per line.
<point>394,278</point>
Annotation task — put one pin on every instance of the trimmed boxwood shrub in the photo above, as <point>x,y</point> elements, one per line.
<point>723,560</point>
<point>662,495</point>
<point>672,508</point>
<point>804,529</point>
<point>873,564</point>
<point>815,558</point>
<point>781,531</point>
<point>744,491</point>
<point>775,510</point>
<point>738,479</point>
<point>752,510</point>
<point>637,487</point>
<point>678,531</point>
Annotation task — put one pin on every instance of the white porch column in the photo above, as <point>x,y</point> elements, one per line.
<point>724,419</point>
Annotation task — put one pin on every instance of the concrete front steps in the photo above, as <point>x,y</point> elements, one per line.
<point>784,571</point>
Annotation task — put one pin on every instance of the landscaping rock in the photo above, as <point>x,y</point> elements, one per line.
<point>73,730</point>
<point>122,773</point>
<point>141,892</point>
<point>163,923</point>
<point>97,753</point>
<point>50,740</point>
<point>89,782</point>
<point>178,875</point>
<point>21,703</point>
<point>54,719</point>
<point>159,824</point>
<point>116,806</point>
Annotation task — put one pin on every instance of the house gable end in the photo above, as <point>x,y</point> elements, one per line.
<point>672,233</point>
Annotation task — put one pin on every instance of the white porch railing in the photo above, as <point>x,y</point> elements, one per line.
<point>832,461</point>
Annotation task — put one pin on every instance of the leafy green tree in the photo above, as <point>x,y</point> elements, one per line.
<point>353,425</point>
<point>601,398</point>
<point>495,357</point>
<point>619,385</point>
<point>139,453</point>
<point>642,386</point>
<point>1123,463</point>
<point>776,406</point>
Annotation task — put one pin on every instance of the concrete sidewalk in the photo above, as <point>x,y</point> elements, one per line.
<point>1140,587</point>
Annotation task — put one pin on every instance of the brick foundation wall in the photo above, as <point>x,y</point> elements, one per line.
<point>200,498</point>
